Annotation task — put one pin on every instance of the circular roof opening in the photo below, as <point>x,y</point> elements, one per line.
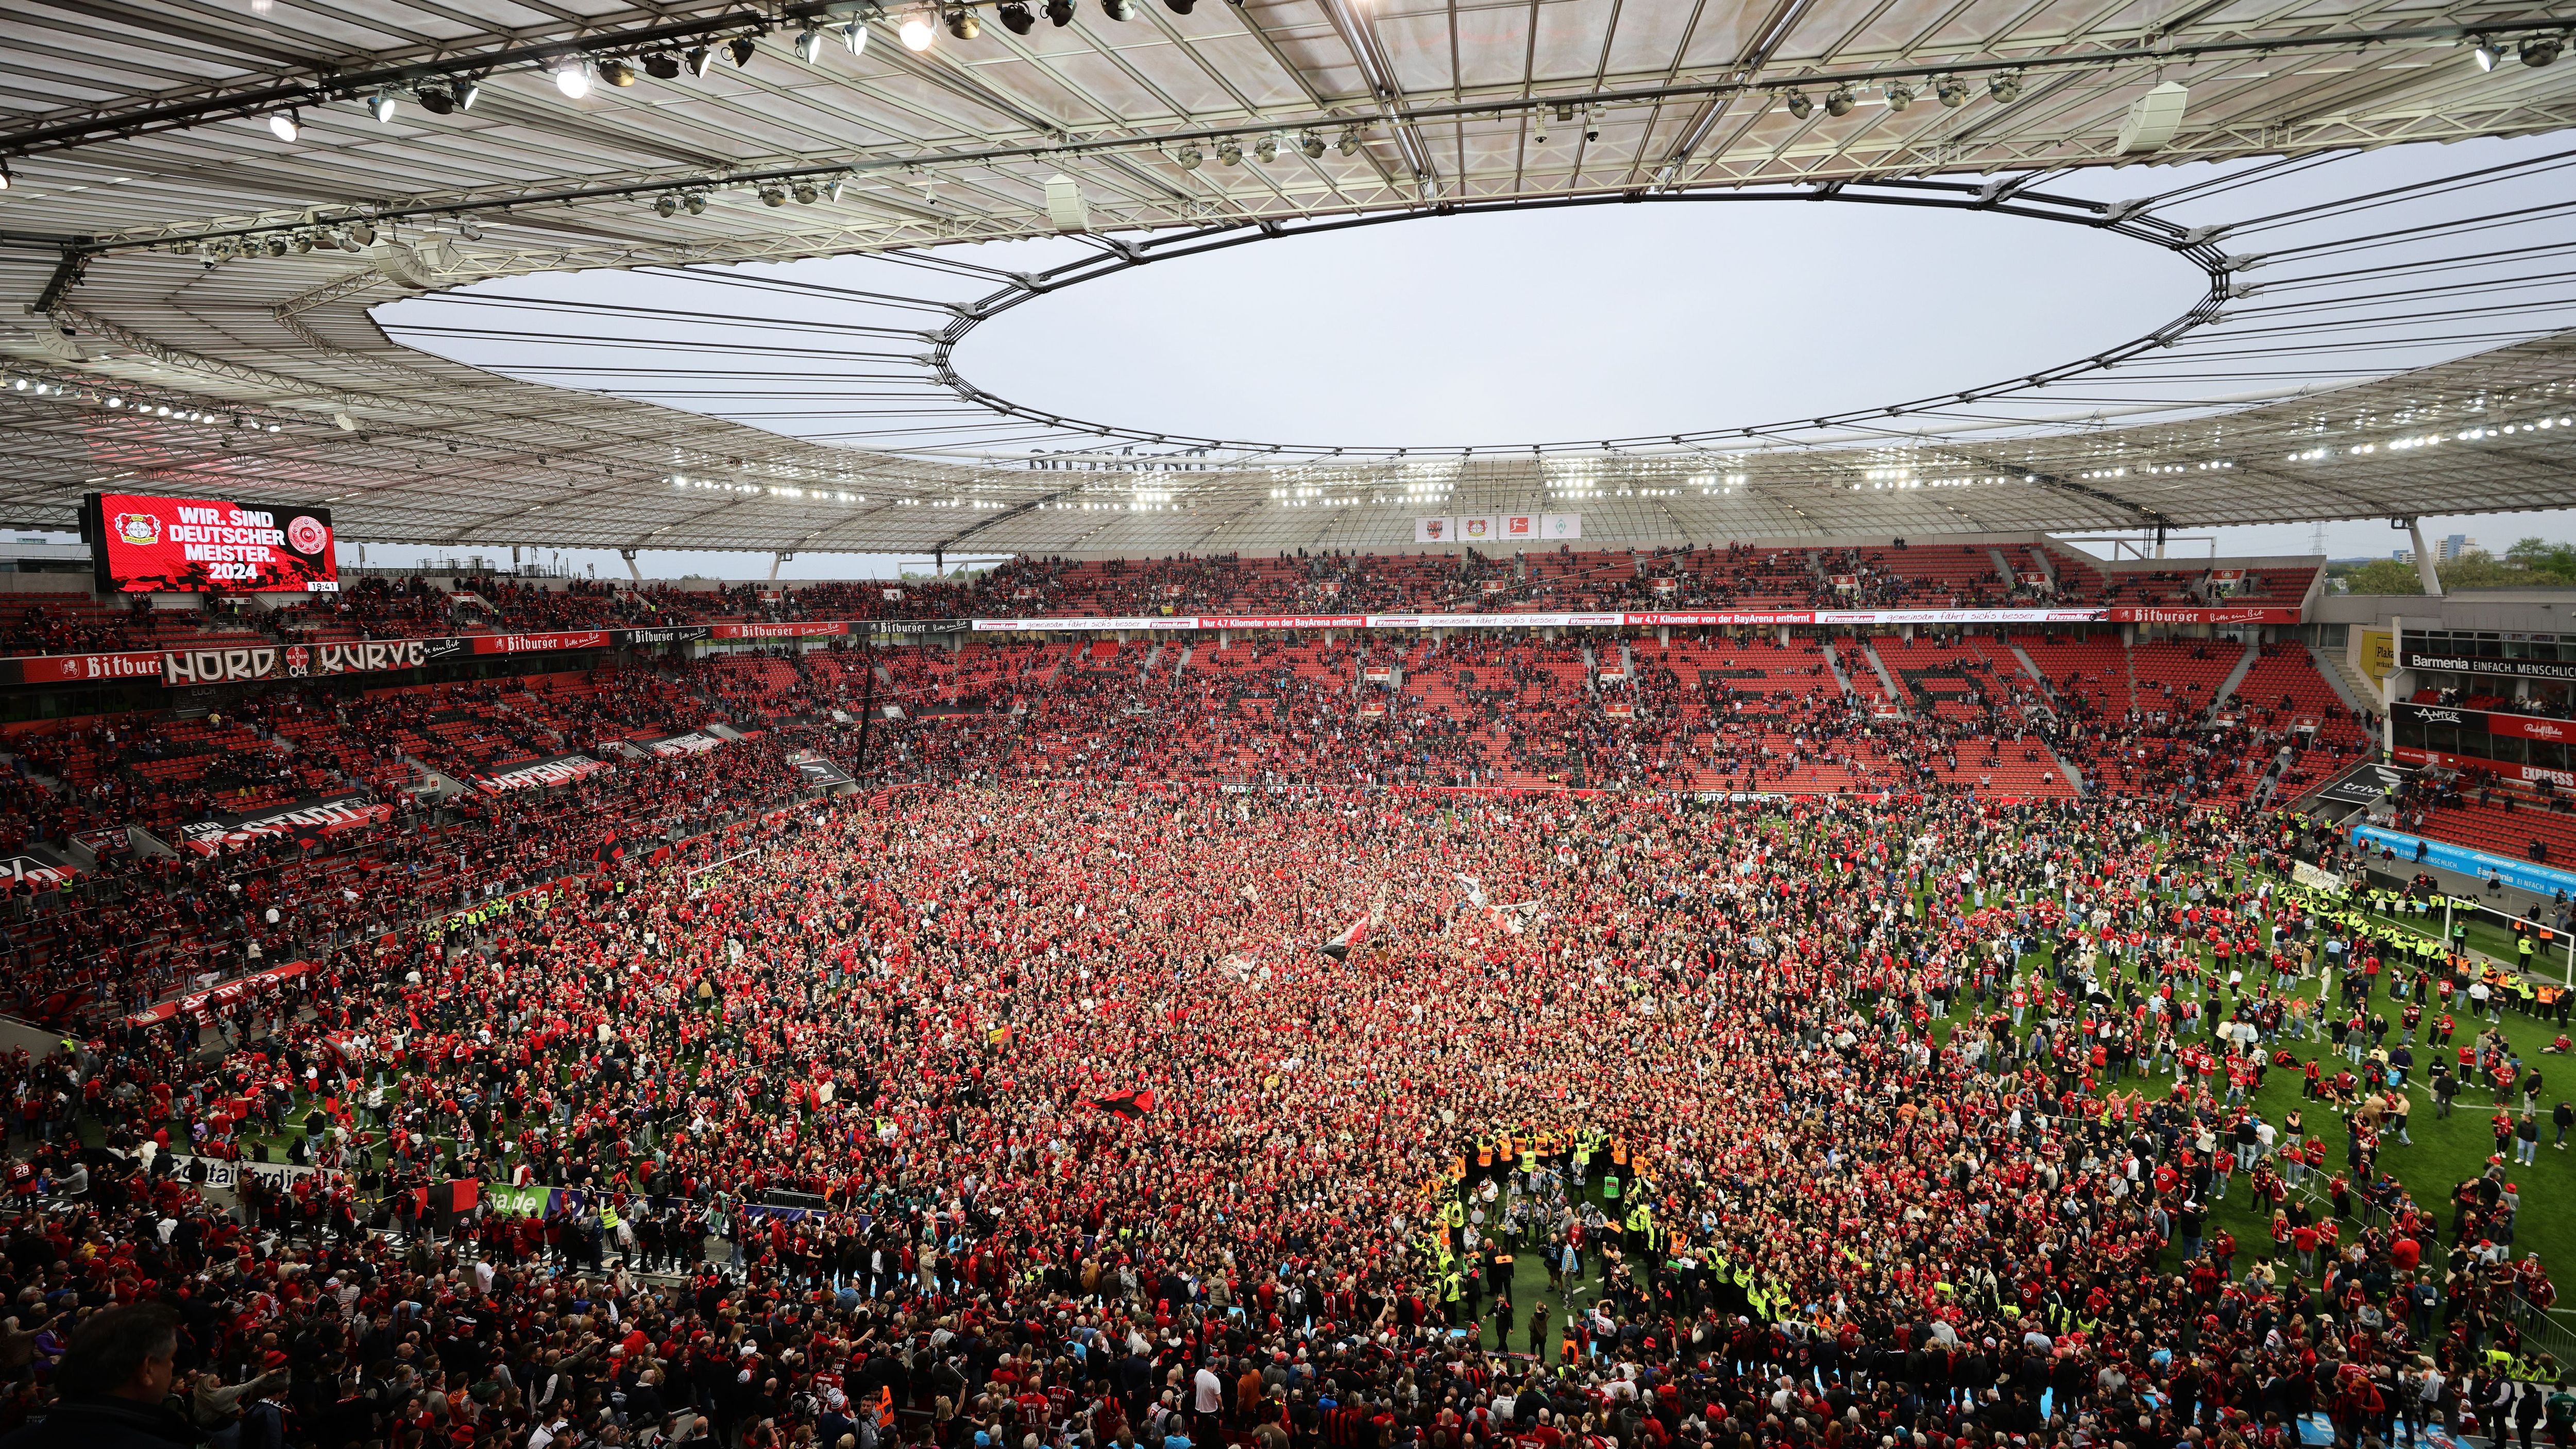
<point>1588,322</point>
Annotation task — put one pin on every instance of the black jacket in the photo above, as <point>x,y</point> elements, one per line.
<point>106,1424</point>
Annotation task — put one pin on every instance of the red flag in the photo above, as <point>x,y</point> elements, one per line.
<point>1354,935</point>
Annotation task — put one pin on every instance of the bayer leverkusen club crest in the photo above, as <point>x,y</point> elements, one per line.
<point>298,659</point>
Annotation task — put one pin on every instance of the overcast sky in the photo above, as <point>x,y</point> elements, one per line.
<point>1587,322</point>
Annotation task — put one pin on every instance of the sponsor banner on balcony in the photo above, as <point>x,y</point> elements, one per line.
<point>537,774</point>
<point>2528,774</point>
<point>541,643</point>
<point>81,668</point>
<point>2442,714</point>
<point>2202,614</point>
<point>305,820</point>
<point>1060,625</point>
<point>1283,621</point>
<point>660,634</point>
<point>792,629</point>
<point>2480,664</point>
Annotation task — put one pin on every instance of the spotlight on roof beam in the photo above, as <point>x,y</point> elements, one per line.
<point>1189,158</point>
<point>617,71</point>
<point>809,44</point>
<point>854,34</point>
<point>1267,149</point>
<point>573,79</point>
<point>1015,17</point>
<point>4,176</point>
<point>963,24</point>
<point>1312,145</point>
<point>917,31</point>
<point>381,106</point>
<point>696,202</point>
<point>361,233</point>
<point>2539,50</point>
<point>1349,145</point>
<point>436,101</point>
<point>1899,95</point>
<point>1180,7</point>
<point>1799,106</point>
<point>2484,54</point>
<point>666,205</point>
<point>1118,9</point>
<point>303,241</point>
<point>285,126</point>
<point>1951,91</point>
<point>348,243</point>
<point>466,93</point>
<point>698,59</point>
<point>277,246</point>
<point>1229,152</point>
<point>662,65</point>
<point>772,196</point>
<point>740,48</point>
<point>804,193</point>
<point>1839,101</point>
<point>1059,13</point>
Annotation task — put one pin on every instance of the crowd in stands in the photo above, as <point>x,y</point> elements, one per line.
<point>1027,1116</point>
<point>1738,575</point>
<point>1698,711</point>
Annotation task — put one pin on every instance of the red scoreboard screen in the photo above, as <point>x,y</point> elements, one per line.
<point>148,544</point>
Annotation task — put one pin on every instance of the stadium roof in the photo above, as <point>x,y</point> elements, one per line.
<point>144,166</point>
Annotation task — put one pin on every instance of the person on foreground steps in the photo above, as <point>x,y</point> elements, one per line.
<point>114,1383</point>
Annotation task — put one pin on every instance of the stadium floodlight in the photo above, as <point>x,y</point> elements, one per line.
<point>2484,54</point>
<point>1015,17</point>
<point>436,101</point>
<point>381,106</point>
<point>617,71</point>
<point>2005,88</point>
<point>804,193</point>
<point>1120,10</point>
<point>662,65</point>
<point>741,49</point>
<point>917,31</point>
<point>465,93</point>
<point>1180,7</point>
<point>809,44</point>
<point>1839,101</point>
<point>573,80</point>
<point>695,202</point>
<point>854,34</point>
<point>1312,145</point>
<point>1229,152</point>
<point>1951,91</point>
<point>963,24</point>
<point>361,233</point>
<point>285,125</point>
<point>1899,95</point>
<point>2539,50</point>
<point>1059,13</point>
<point>1799,106</point>
<point>666,205</point>
<point>1349,145</point>
<point>697,60</point>
<point>1189,158</point>
<point>772,196</point>
<point>1266,149</point>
